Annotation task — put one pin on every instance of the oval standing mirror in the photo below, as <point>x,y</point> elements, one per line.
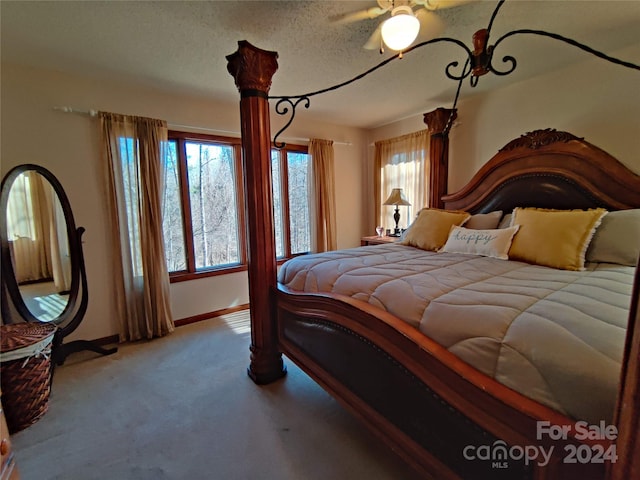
<point>43,273</point>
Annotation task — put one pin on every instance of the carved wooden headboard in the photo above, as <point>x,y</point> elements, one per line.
<point>548,169</point>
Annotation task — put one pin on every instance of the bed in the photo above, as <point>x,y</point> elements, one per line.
<point>446,417</point>
<point>555,336</point>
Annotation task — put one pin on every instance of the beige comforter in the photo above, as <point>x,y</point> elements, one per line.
<point>556,336</point>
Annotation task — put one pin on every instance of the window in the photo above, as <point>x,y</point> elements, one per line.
<point>402,162</point>
<point>130,184</point>
<point>290,171</point>
<point>203,204</point>
<point>172,217</point>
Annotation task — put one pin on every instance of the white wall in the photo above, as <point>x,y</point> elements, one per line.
<point>68,145</point>
<point>592,99</point>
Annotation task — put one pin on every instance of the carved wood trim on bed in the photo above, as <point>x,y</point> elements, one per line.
<point>627,415</point>
<point>548,169</point>
<point>437,121</point>
<point>436,403</point>
<point>252,69</point>
<point>424,402</point>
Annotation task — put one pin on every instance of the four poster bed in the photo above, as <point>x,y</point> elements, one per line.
<point>433,407</point>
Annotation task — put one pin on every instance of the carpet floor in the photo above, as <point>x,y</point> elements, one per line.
<point>182,407</point>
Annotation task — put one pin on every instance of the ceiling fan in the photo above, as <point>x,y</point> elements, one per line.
<point>408,18</point>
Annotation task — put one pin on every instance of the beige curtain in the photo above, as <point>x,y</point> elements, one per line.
<point>28,217</point>
<point>134,153</point>
<point>60,251</point>
<point>323,204</point>
<point>37,230</point>
<point>401,162</point>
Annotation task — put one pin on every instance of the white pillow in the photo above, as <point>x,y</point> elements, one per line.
<point>617,239</point>
<point>484,221</point>
<point>489,243</point>
<point>506,221</point>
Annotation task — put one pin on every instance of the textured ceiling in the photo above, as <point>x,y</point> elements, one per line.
<point>181,45</point>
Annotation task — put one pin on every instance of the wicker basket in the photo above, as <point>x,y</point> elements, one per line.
<point>25,372</point>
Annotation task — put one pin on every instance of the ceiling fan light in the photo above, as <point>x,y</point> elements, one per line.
<point>399,31</point>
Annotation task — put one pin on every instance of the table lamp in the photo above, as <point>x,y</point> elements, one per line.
<point>396,197</point>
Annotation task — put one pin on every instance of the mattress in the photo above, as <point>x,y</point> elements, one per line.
<point>555,336</point>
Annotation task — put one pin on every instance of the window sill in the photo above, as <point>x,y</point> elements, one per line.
<point>214,272</point>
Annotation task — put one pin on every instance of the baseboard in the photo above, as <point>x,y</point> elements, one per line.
<point>110,340</point>
<point>206,316</point>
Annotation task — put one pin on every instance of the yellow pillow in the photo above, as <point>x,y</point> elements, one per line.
<point>554,238</point>
<point>430,229</point>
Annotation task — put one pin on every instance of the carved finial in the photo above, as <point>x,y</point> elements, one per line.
<point>539,138</point>
<point>252,68</point>
<point>438,119</point>
<point>480,52</point>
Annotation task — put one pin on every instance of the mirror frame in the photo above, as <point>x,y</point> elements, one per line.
<point>74,311</point>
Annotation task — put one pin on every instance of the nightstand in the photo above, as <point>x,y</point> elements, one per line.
<point>376,240</point>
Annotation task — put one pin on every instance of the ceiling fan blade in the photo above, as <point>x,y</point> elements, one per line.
<point>441,4</point>
<point>431,25</point>
<point>352,17</point>
<point>375,40</point>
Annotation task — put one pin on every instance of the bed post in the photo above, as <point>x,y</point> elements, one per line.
<point>627,417</point>
<point>252,69</point>
<point>437,122</point>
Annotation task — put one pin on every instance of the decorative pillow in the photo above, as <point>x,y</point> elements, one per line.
<point>617,239</point>
<point>431,228</point>
<point>554,238</point>
<point>484,221</point>
<point>489,243</point>
<point>506,221</point>
<point>405,232</point>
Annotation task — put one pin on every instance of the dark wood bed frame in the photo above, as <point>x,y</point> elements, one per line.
<point>420,399</point>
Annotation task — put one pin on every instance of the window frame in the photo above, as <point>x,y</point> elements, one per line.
<point>284,195</point>
<point>190,273</point>
<point>187,226</point>
<point>407,146</point>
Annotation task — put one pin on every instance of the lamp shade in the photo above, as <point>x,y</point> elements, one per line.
<point>396,197</point>
<point>399,31</point>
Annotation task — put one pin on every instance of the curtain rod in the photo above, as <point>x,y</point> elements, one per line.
<point>94,113</point>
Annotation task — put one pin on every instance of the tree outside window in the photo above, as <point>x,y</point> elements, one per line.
<point>203,204</point>
<point>290,171</point>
